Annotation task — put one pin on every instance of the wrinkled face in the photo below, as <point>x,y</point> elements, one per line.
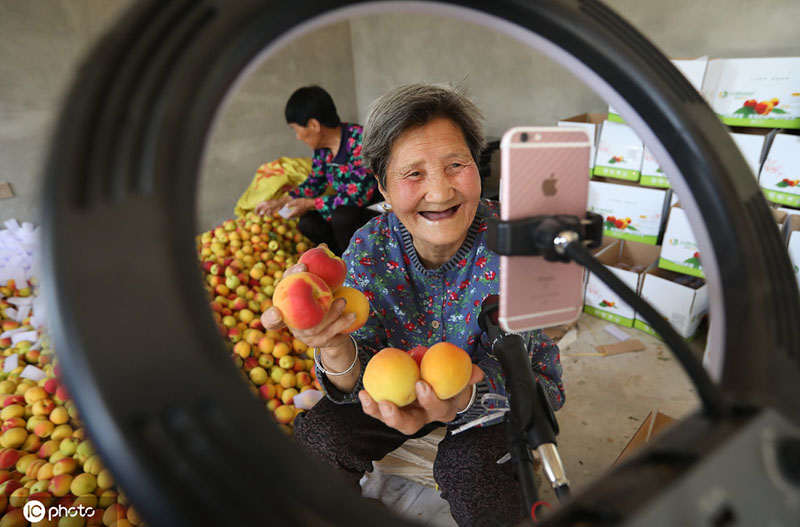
<point>433,185</point>
<point>310,134</point>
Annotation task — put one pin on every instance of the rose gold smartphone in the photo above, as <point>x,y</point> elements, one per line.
<point>543,171</point>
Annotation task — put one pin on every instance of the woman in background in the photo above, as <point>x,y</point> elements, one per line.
<point>326,218</point>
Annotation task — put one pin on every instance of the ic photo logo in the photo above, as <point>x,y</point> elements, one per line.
<point>34,511</point>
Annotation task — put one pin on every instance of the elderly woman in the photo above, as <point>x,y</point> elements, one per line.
<point>425,269</point>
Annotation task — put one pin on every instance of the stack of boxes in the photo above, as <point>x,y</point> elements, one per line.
<point>656,252</point>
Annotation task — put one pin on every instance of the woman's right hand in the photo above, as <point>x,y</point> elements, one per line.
<point>326,334</point>
<point>270,206</point>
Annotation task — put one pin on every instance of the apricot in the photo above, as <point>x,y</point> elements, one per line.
<point>323,263</point>
<point>303,299</point>
<point>83,484</point>
<point>391,375</point>
<point>284,414</point>
<point>356,303</point>
<point>447,368</point>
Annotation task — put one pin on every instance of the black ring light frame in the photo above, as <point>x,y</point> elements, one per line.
<point>138,348</point>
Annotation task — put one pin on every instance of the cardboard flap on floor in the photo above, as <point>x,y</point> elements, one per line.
<point>600,300</point>
<point>625,346</point>
<point>780,173</point>
<point>649,429</point>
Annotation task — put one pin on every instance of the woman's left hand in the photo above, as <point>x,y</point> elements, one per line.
<point>426,409</point>
<point>300,206</point>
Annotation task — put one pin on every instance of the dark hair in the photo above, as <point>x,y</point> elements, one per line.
<point>417,105</point>
<point>311,102</point>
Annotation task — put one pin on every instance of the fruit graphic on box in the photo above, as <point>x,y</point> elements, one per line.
<point>760,92</point>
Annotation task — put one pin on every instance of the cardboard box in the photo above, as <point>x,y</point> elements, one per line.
<point>652,426</point>
<point>669,293</point>
<point>630,212</point>
<point>780,174</point>
<point>652,175</point>
<point>679,251</point>
<point>693,69</point>
<point>752,148</point>
<point>761,92</point>
<point>619,152</point>
<point>591,123</point>
<point>791,234</point>
<point>600,300</point>
<point>791,224</point>
<point>794,253</point>
<point>604,245</point>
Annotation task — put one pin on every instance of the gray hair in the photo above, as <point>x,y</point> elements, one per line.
<point>416,105</point>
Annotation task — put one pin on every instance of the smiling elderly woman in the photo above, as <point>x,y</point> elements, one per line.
<point>425,269</point>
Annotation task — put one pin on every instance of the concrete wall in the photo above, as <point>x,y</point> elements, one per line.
<point>41,42</point>
<point>515,85</point>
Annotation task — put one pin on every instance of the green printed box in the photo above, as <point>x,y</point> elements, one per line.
<point>619,152</point>
<point>682,300</point>
<point>652,175</point>
<point>629,261</point>
<point>752,147</point>
<point>780,174</point>
<point>630,212</point>
<point>679,251</point>
<point>761,92</point>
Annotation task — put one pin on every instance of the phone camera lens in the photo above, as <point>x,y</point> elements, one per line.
<point>524,137</point>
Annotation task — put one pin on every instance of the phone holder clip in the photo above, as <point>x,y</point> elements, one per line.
<point>536,236</point>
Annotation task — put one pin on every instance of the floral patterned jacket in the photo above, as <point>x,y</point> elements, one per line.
<point>352,182</point>
<point>411,305</point>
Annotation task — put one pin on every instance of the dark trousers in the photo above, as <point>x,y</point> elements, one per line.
<point>345,221</point>
<point>479,491</point>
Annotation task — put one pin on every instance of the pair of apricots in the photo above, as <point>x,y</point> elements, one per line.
<point>391,375</point>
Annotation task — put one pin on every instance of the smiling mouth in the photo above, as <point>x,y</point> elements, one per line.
<point>439,215</point>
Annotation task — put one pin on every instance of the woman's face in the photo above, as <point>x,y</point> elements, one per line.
<point>433,185</point>
<point>309,134</point>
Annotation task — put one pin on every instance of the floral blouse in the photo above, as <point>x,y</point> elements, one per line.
<point>352,182</point>
<point>411,305</point>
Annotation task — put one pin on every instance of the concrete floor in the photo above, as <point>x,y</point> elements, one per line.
<point>607,399</point>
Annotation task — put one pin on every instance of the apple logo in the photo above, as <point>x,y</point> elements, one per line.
<point>549,186</point>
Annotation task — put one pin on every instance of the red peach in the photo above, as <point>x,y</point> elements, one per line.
<point>417,353</point>
<point>50,386</point>
<point>323,263</point>
<point>303,299</point>
<point>59,485</point>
